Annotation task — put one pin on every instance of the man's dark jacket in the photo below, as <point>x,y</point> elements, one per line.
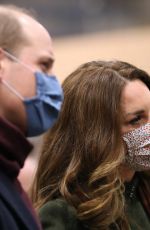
<point>16,210</point>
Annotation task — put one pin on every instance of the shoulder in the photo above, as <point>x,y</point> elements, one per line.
<point>59,215</point>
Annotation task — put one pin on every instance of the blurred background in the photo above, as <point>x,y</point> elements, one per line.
<point>94,29</point>
<point>85,30</point>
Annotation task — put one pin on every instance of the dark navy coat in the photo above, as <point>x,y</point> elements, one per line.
<point>14,214</point>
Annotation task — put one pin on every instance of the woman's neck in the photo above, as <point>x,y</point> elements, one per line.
<point>126,173</point>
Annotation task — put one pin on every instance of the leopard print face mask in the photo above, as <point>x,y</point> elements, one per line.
<point>138,148</point>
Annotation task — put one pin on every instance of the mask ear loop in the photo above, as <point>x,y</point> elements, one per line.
<point>12,57</point>
<point>12,89</point>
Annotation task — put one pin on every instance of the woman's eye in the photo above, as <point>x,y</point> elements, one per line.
<point>135,120</point>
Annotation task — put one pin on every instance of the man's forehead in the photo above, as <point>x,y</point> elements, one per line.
<point>39,38</point>
<point>46,54</point>
<point>35,32</point>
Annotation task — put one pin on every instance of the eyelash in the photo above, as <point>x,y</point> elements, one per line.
<point>45,65</point>
<point>135,120</point>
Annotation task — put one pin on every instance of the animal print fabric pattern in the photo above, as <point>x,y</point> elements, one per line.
<point>138,148</point>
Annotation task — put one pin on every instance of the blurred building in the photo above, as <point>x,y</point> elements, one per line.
<point>68,17</point>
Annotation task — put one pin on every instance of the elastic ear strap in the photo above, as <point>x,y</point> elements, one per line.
<point>17,60</point>
<point>12,89</point>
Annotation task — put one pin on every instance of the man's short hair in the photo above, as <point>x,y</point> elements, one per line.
<point>12,36</point>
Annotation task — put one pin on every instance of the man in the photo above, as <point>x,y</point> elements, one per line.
<point>29,104</point>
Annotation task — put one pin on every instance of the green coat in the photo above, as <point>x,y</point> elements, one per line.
<point>58,215</point>
<point>136,214</point>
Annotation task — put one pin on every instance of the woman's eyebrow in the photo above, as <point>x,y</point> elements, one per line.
<point>135,112</point>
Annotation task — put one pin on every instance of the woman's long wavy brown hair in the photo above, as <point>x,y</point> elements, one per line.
<point>83,151</point>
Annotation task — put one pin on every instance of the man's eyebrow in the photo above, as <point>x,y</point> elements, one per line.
<point>50,59</point>
<point>47,59</point>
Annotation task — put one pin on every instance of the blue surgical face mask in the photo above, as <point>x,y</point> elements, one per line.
<point>42,110</point>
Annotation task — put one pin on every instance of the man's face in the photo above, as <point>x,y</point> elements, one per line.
<point>39,57</point>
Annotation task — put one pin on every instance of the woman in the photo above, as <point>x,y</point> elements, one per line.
<point>94,146</point>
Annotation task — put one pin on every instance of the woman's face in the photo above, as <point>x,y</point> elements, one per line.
<point>135,103</point>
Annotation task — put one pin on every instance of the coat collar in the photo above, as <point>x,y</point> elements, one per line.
<point>14,148</point>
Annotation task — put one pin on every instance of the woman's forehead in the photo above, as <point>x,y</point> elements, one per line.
<point>135,96</point>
